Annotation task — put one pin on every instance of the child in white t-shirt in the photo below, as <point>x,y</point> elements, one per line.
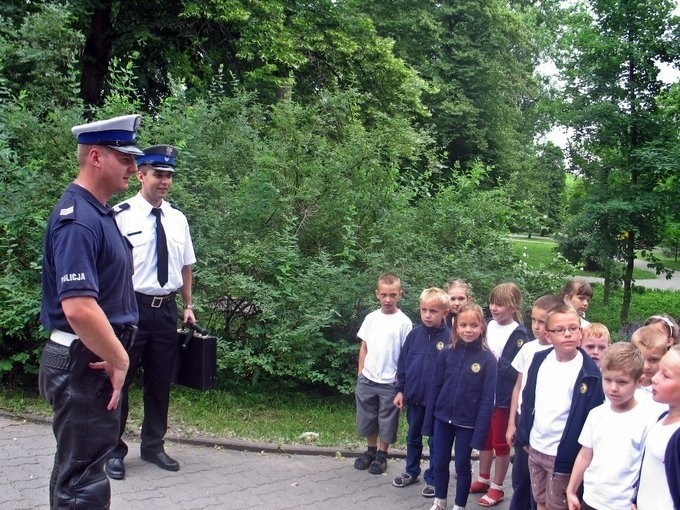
<point>659,485</point>
<point>382,334</point>
<point>563,385</point>
<point>613,436</point>
<point>521,484</point>
<point>653,344</point>
<point>505,335</point>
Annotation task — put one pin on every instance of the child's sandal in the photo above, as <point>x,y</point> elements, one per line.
<point>379,464</point>
<point>365,460</point>
<point>491,498</point>
<point>404,480</point>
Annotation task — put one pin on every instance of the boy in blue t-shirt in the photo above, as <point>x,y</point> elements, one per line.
<point>416,364</point>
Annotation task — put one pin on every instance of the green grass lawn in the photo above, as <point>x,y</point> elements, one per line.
<point>541,252</point>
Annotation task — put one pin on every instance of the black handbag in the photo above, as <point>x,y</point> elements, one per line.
<point>196,361</point>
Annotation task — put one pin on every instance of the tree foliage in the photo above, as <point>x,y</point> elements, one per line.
<point>305,169</point>
<point>608,63</point>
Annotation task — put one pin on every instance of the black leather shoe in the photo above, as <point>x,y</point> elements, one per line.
<point>162,460</point>
<point>115,468</point>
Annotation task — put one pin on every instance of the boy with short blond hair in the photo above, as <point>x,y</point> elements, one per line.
<point>416,364</point>
<point>613,436</point>
<point>653,344</point>
<point>596,340</point>
<point>563,385</point>
<point>382,335</point>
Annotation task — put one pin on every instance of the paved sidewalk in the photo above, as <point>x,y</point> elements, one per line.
<point>211,477</point>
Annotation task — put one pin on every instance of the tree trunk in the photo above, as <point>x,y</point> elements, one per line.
<point>606,291</point>
<point>628,278</point>
<point>96,54</point>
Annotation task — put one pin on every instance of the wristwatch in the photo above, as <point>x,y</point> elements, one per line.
<point>189,306</point>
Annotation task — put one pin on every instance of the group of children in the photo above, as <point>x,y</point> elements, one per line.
<point>471,383</point>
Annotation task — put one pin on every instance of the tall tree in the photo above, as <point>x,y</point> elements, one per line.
<point>610,50</point>
<point>478,59</point>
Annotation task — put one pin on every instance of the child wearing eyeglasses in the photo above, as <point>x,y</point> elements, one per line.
<point>563,385</point>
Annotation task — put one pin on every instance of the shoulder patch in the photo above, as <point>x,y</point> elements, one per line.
<point>121,207</point>
<point>67,212</point>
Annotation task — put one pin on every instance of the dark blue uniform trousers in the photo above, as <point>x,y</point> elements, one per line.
<point>155,347</point>
<point>522,499</point>
<point>415,416</point>
<point>444,435</point>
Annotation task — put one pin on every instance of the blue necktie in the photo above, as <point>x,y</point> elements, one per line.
<point>161,249</point>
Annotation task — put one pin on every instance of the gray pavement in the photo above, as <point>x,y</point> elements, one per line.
<point>211,477</point>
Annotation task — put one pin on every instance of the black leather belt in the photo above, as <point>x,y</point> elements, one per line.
<point>155,301</point>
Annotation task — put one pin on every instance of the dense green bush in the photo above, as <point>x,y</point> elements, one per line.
<point>295,209</point>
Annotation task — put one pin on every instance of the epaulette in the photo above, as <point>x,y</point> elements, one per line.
<point>120,208</point>
<point>67,212</point>
<point>175,207</point>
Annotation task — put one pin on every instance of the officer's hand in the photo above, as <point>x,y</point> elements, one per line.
<point>188,317</point>
<point>117,378</point>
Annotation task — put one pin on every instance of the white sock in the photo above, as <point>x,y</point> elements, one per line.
<point>482,479</point>
<point>438,503</point>
<point>456,507</point>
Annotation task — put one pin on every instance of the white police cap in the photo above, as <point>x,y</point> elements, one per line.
<point>119,133</point>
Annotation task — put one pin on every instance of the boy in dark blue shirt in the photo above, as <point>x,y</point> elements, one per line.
<point>416,364</point>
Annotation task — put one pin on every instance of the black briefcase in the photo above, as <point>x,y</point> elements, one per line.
<point>196,364</point>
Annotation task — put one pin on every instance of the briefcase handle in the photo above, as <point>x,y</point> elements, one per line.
<point>193,328</point>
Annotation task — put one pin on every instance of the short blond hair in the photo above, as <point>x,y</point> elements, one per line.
<point>597,330</point>
<point>435,295</point>
<point>624,357</point>
<point>560,310</point>
<point>649,337</point>
<point>389,279</point>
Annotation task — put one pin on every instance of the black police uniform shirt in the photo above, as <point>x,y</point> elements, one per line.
<point>138,225</point>
<point>85,255</point>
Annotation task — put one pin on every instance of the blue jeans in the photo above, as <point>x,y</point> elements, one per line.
<point>444,435</point>
<point>415,416</point>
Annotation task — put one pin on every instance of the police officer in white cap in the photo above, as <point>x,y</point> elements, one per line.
<point>90,310</point>
<point>163,254</point>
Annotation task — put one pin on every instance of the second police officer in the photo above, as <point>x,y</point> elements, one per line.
<point>163,254</point>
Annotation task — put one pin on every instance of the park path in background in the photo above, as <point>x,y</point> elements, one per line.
<point>212,478</point>
<point>658,283</point>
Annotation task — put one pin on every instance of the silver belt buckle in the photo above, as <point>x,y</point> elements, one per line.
<point>157,302</point>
